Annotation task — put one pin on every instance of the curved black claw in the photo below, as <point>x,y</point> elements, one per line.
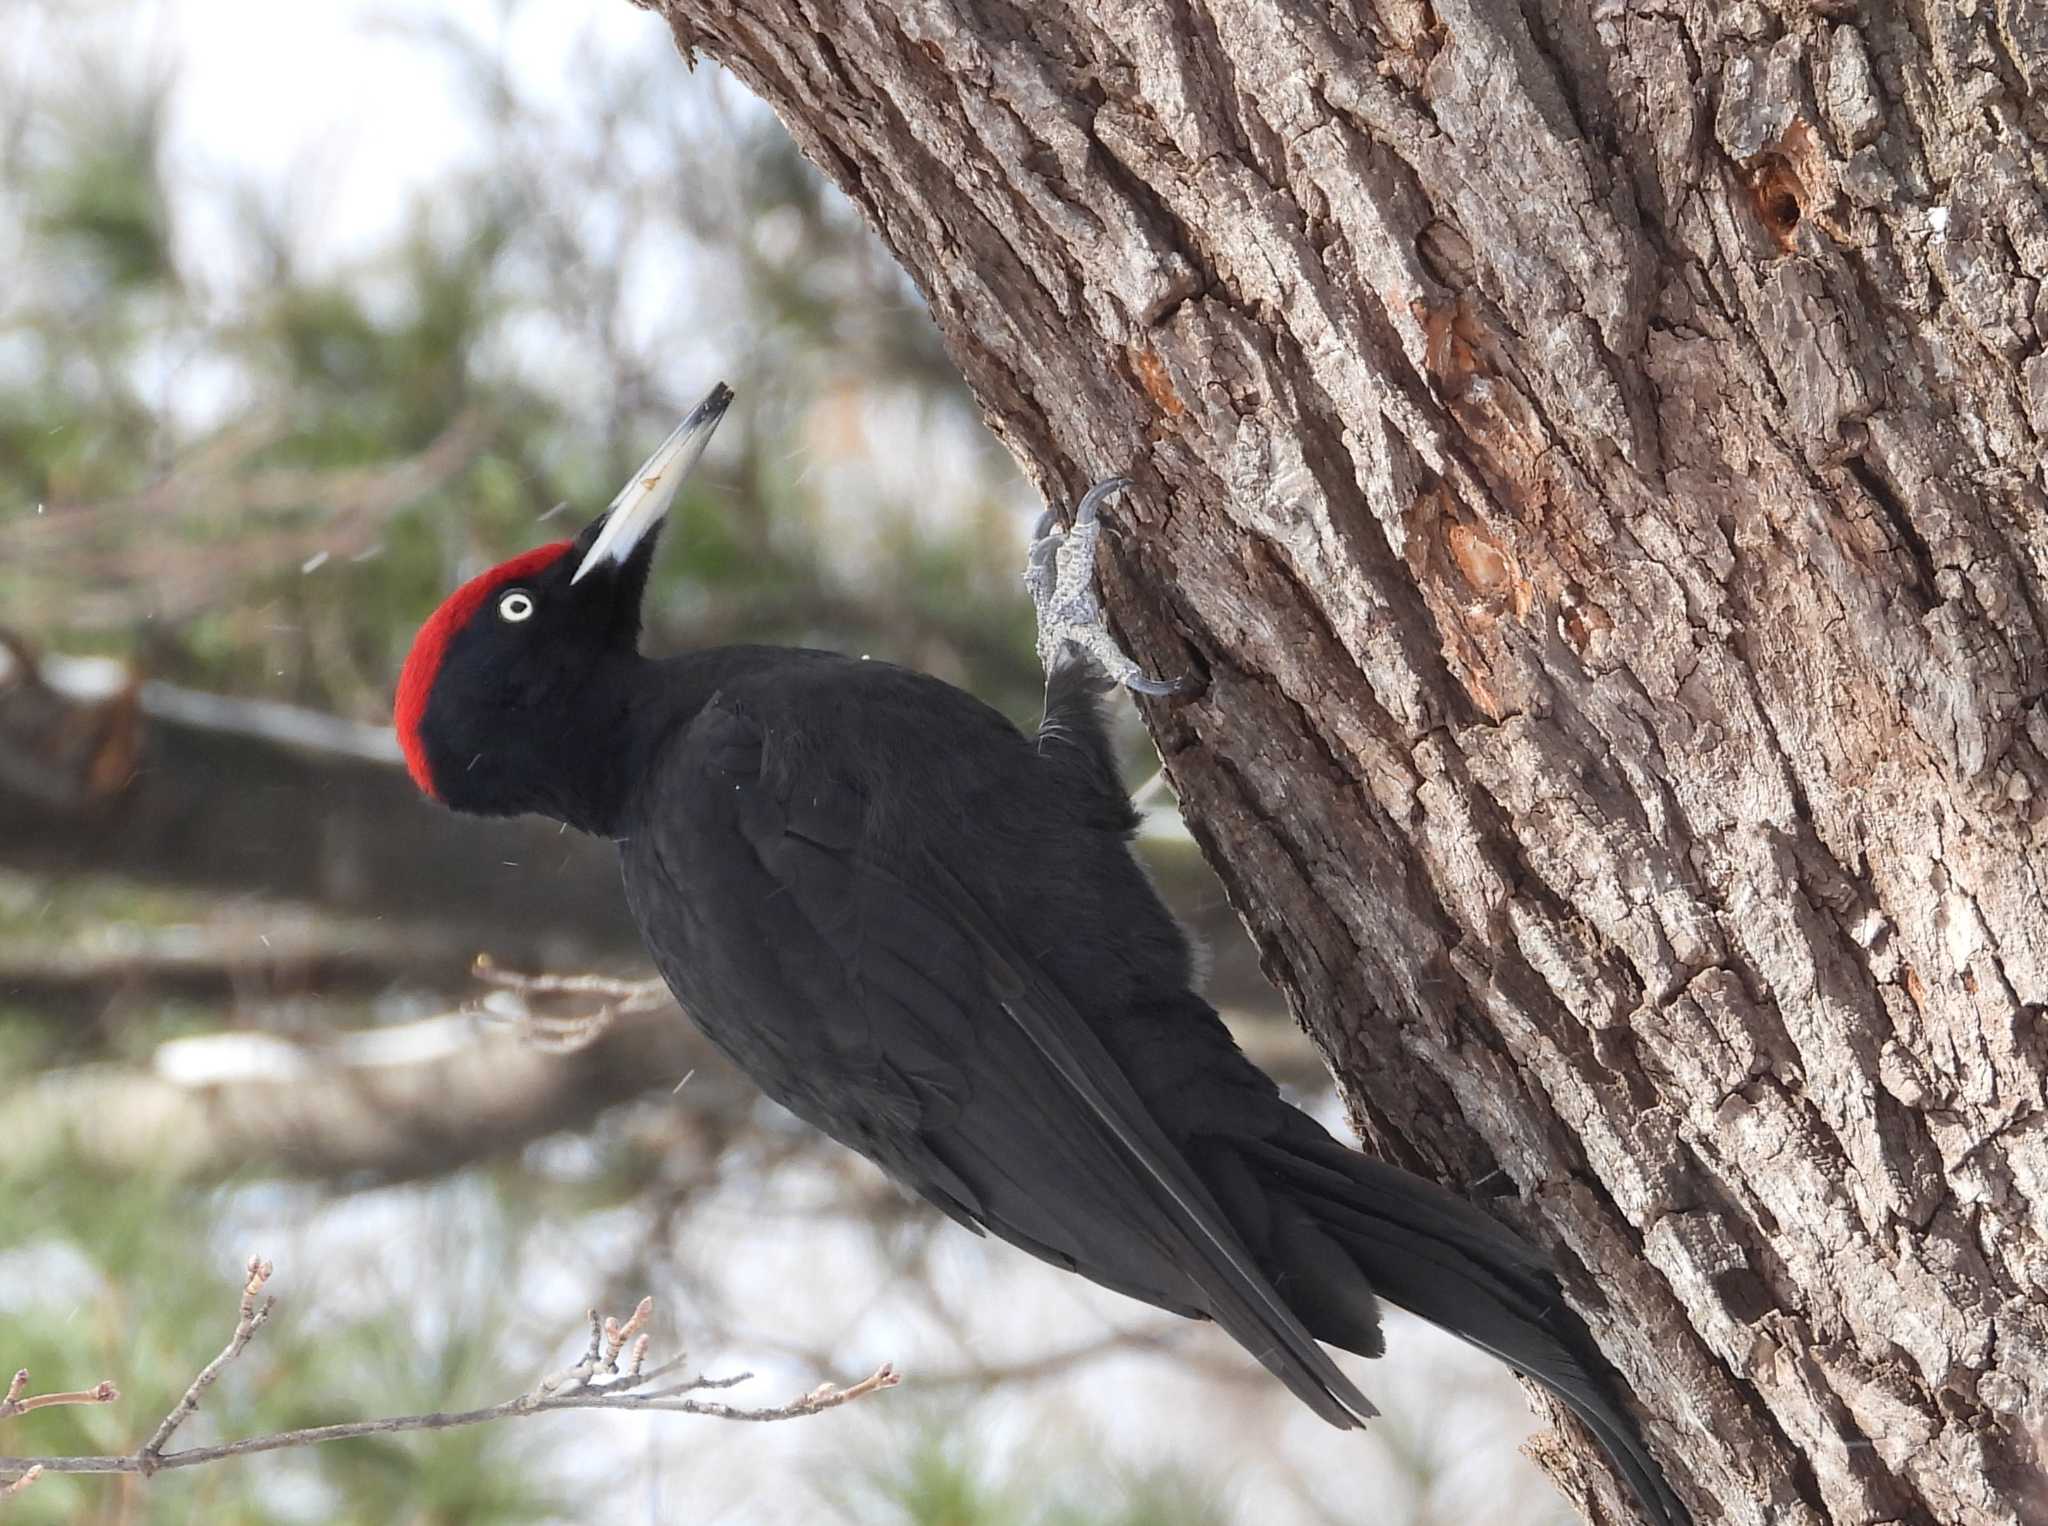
<point>1060,573</point>
<point>1085,512</point>
<point>1158,688</point>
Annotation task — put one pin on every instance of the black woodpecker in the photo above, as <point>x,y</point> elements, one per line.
<point>923,932</point>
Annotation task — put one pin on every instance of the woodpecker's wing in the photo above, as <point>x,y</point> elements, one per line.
<point>869,988</point>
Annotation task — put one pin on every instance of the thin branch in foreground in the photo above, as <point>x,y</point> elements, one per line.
<point>19,1401</point>
<point>252,1315</point>
<point>594,1382</point>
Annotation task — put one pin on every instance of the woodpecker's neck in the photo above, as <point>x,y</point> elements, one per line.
<point>614,730</point>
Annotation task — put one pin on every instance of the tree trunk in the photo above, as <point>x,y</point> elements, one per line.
<point>1592,454</point>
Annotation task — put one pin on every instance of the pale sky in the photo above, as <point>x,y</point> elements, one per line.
<point>354,111</point>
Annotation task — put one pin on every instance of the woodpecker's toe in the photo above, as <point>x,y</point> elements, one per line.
<point>1060,575</point>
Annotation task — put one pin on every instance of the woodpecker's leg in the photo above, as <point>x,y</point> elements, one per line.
<point>1060,573</point>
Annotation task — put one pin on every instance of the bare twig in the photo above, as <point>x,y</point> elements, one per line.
<point>252,1315</point>
<point>19,1401</point>
<point>594,1382</point>
<point>616,1335</point>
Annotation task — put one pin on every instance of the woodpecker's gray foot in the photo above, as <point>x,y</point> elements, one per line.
<point>1060,573</point>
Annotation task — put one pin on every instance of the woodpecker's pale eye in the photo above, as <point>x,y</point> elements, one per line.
<point>516,606</point>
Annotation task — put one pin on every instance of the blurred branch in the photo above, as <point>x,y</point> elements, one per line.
<point>1219,1363</point>
<point>382,1104</point>
<point>595,1382</point>
<point>167,785</point>
<point>238,956</point>
<point>347,508</point>
<point>204,471</point>
<point>1166,1336</point>
<point>1056,1363</point>
<point>571,1035</point>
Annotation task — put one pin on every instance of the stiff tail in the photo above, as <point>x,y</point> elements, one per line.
<point>1334,1219</point>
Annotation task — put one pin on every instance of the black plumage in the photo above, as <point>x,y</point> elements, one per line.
<point>924,932</point>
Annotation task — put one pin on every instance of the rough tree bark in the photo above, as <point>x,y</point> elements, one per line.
<point>1592,452</point>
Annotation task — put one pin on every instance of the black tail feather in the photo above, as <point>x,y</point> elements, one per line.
<point>1333,1217</point>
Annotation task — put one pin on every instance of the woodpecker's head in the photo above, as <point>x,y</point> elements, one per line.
<point>506,677</point>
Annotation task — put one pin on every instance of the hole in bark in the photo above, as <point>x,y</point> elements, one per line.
<point>1777,193</point>
<point>1744,1295</point>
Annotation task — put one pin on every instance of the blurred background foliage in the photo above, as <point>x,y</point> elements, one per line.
<point>247,440</point>
<point>257,466</point>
